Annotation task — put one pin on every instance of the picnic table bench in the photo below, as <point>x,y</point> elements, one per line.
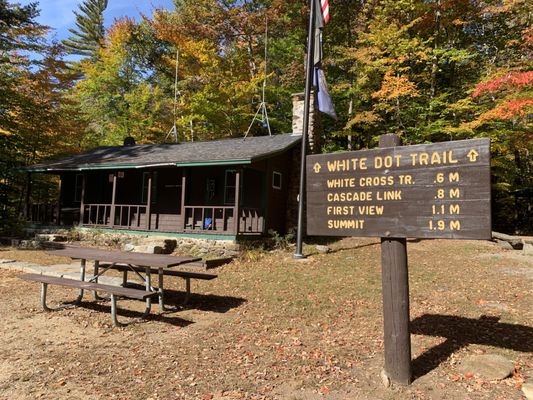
<point>125,262</point>
<point>114,291</point>
<point>186,275</point>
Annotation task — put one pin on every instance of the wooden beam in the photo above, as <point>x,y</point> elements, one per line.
<point>59,189</point>
<point>113,200</point>
<point>149,202</point>
<point>27,198</point>
<point>82,200</point>
<point>395,285</point>
<point>236,210</point>
<point>183,185</point>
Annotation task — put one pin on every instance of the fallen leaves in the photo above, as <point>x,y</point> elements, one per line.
<point>288,329</point>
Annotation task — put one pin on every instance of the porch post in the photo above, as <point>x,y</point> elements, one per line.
<point>112,216</point>
<point>59,202</point>
<point>149,202</point>
<point>236,211</point>
<point>82,200</point>
<point>27,198</point>
<point>183,185</point>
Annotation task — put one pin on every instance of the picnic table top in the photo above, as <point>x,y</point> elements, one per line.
<point>117,256</point>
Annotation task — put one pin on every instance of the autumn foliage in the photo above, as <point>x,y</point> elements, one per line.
<point>427,70</point>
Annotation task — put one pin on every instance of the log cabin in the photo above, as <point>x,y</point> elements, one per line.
<point>221,188</point>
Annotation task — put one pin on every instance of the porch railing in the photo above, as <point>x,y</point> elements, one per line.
<point>43,213</point>
<point>96,214</point>
<point>221,219</point>
<point>127,216</point>
<point>251,220</point>
<point>209,219</point>
<point>130,216</point>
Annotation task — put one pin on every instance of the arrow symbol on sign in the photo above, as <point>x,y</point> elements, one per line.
<point>317,168</point>
<point>472,155</point>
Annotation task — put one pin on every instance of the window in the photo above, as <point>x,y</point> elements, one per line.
<point>78,187</point>
<point>229,186</point>
<point>146,176</point>
<point>276,180</point>
<point>210,189</point>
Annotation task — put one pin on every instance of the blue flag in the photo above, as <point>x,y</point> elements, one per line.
<point>325,104</point>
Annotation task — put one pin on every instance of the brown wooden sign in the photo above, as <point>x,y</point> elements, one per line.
<point>439,190</point>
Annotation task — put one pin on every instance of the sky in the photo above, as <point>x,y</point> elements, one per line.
<point>58,14</point>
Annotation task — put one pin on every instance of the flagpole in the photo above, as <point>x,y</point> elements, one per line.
<point>307,100</point>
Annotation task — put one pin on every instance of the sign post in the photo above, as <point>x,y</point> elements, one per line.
<point>395,292</point>
<point>439,190</point>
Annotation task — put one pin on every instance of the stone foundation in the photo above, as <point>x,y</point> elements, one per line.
<point>205,248</point>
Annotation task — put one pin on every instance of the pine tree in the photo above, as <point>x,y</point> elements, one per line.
<point>89,35</point>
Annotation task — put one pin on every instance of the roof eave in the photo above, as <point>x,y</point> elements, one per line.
<point>275,152</point>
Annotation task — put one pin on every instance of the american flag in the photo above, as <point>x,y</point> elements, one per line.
<point>325,10</point>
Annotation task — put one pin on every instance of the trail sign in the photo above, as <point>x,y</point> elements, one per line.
<point>439,190</point>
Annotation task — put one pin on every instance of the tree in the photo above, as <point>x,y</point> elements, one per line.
<point>221,46</point>
<point>19,33</point>
<point>115,97</point>
<point>502,105</point>
<point>89,35</point>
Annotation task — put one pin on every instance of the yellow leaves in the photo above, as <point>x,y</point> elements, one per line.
<point>458,22</point>
<point>395,86</point>
<point>4,132</point>
<point>120,32</point>
<point>201,50</point>
<point>365,118</point>
<point>366,55</point>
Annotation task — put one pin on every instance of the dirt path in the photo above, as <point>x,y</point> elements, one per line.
<point>273,328</point>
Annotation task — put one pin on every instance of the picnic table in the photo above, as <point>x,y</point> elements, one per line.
<point>138,263</point>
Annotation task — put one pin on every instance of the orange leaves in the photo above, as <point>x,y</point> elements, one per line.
<point>517,108</point>
<point>511,110</point>
<point>395,86</point>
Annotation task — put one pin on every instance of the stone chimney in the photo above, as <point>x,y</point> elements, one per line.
<point>314,122</point>
<point>313,147</point>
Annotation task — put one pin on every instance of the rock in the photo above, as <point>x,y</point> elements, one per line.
<point>322,249</point>
<point>30,245</point>
<point>528,248</point>
<point>150,248</point>
<point>495,305</point>
<point>50,237</point>
<point>128,247</point>
<point>527,389</point>
<point>385,378</point>
<point>228,245</point>
<point>515,241</point>
<point>170,245</point>
<point>487,366</point>
<point>504,244</point>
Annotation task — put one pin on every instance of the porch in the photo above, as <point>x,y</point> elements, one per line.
<point>168,200</point>
<point>197,218</point>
